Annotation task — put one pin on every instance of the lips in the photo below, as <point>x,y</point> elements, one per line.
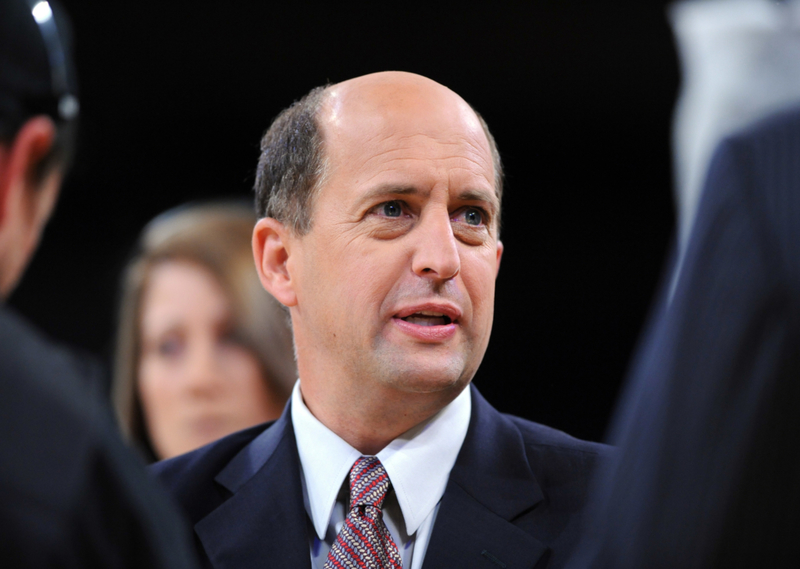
<point>429,322</point>
<point>428,318</point>
<point>430,314</point>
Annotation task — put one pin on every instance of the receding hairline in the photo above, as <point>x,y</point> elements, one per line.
<point>294,163</point>
<point>323,103</point>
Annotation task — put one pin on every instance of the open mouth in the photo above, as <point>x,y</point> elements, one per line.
<point>426,318</point>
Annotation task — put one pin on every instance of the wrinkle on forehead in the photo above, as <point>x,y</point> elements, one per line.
<point>423,147</point>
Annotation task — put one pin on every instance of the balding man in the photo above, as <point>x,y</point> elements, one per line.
<point>379,205</point>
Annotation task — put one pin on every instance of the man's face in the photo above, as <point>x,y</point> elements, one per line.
<point>395,280</point>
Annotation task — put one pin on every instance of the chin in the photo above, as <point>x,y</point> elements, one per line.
<point>429,379</point>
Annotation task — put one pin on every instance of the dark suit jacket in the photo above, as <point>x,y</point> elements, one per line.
<point>709,429</point>
<point>71,494</point>
<point>514,497</point>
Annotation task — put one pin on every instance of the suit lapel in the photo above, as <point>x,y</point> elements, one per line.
<point>263,524</point>
<point>490,485</point>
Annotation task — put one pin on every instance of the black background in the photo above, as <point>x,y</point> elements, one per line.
<point>579,95</point>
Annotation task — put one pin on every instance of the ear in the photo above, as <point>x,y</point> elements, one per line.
<point>18,163</point>
<point>271,253</point>
<point>499,257</point>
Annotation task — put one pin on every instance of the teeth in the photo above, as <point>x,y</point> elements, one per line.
<point>426,318</point>
<point>427,313</point>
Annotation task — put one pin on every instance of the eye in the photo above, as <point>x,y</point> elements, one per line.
<point>471,216</point>
<point>390,219</point>
<point>170,347</point>
<point>391,209</point>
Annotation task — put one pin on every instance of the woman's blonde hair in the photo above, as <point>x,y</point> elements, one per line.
<point>217,237</point>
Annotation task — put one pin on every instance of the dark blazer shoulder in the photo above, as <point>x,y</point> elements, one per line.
<point>57,419</point>
<point>73,494</point>
<point>709,406</point>
<point>549,453</point>
<point>34,366</point>
<point>545,447</point>
<point>190,478</point>
<point>240,489</point>
<point>516,494</point>
<point>549,449</point>
<point>542,436</point>
<point>564,465</point>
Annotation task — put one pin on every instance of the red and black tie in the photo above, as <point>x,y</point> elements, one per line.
<point>364,542</point>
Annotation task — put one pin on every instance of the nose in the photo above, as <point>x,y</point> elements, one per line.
<point>203,371</point>
<point>436,250</point>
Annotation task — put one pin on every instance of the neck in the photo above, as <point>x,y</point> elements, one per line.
<point>370,421</point>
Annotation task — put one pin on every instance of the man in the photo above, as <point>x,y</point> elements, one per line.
<point>379,200</point>
<point>71,494</point>
<point>708,427</point>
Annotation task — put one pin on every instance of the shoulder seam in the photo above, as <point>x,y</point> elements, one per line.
<point>565,448</point>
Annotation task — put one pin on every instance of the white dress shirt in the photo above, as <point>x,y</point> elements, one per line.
<point>418,463</point>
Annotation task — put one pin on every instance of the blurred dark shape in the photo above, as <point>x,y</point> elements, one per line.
<point>37,75</point>
<point>217,353</point>
<point>740,63</point>
<point>708,426</point>
<point>71,493</point>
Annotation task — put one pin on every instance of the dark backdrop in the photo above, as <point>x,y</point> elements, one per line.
<point>578,94</point>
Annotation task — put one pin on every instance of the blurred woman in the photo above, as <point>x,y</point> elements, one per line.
<point>202,349</point>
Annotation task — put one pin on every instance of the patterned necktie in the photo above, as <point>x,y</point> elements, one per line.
<point>364,542</point>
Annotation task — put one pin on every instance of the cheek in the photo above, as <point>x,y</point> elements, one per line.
<point>373,288</point>
<point>478,274</point>
<point>151,380</point>
<point>247,393</point>
<point>242,371</point>
<point>158,388</point>
<point>352,282</point>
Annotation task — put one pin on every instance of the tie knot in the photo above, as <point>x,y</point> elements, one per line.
<point>368,482</point>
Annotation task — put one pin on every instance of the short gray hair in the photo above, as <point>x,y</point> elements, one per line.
<point>291,164</point>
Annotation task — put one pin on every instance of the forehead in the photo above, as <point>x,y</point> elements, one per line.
<point>178,287</point>
<point>414,133</point>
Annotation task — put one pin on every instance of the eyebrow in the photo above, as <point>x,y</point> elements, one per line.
<point>479,196</point>
<point>389,190</point>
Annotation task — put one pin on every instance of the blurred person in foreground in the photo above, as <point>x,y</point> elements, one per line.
<point>202,349</point>
<point>379,200</point>
<point>71,493</point>
<point>708,426</point>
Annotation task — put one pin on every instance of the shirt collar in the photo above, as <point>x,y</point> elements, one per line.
<point>418,462</point>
